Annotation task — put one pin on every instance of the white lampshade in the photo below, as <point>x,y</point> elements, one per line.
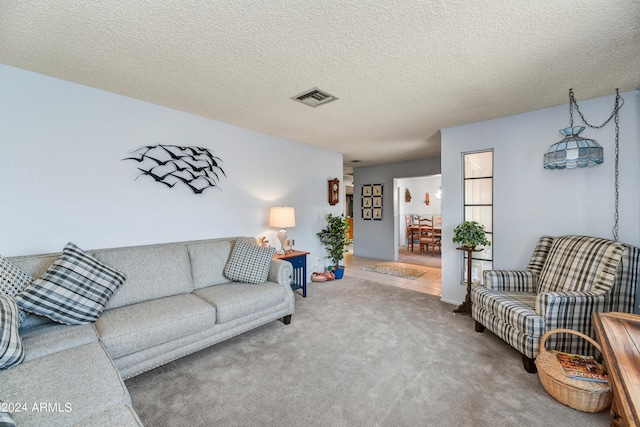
<point>282,217</point>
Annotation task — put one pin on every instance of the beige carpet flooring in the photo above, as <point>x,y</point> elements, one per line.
<point>357,353</point>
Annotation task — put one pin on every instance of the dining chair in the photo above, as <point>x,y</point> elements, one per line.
<point>430,235</point>
<point>413,235</point>
<point>437,223</point>
<point>437,228</point>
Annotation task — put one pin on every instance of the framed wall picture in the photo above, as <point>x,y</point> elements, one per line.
<point>372,202</point>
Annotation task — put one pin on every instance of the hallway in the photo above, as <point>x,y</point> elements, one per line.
<point>429,283</point>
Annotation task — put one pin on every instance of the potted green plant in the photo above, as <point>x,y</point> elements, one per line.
<point>335,239</point>
<point>470,234</point>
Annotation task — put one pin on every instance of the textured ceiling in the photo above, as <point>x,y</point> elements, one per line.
<point>402,70</point>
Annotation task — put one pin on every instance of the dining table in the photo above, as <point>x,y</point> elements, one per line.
<point>415,227</point>
<point>418,227</point>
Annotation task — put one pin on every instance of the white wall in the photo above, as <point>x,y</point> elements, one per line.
<point>530,201</point>
<point>375,239</point>
<point>63,178</point>
<point>418,187</point>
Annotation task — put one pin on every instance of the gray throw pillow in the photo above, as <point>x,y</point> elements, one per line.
<point>12,282</point>
<point>74,290</point>
<point>248,262</point>
<point>11,350</point>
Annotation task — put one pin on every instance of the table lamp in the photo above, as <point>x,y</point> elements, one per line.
<point>282,217</point>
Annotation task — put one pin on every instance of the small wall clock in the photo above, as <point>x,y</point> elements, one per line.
<point>334,191</point>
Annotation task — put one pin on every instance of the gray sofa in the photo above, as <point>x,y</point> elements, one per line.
<point>176,300</point>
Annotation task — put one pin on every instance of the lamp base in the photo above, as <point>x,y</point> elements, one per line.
<point>282,236</point>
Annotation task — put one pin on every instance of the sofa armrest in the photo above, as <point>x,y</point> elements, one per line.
<point>280,271</point>
<point>511,280</point>
<point>570,310</point>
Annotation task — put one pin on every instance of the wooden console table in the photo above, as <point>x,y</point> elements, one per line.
<point>619,337</point>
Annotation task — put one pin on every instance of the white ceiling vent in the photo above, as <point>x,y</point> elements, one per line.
<point>314,97</point>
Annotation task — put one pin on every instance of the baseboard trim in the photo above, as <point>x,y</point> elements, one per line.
<point>450,301</point>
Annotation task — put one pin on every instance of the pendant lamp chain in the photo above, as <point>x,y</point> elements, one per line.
<point>615,213</point>
<point>614,115</point>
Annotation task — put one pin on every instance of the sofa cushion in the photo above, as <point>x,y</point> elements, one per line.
<point>52,338</point>
<point>234,300</point>
<point>135,327</point>
<point>12,281</point>
<point>513,308</point>
<point>580,263</point>
<point>74,290</point>
<point>73,385</point>
<point>208,260</point>
<point>153,271</point>
<point>249,263</point>
<point>34,320</point>
<point>34,265</point>
<point>11,349</point>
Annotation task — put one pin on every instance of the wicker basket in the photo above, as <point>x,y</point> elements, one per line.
<point>587,396</point>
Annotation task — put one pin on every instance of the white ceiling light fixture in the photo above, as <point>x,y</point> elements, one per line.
<point>314,97</point>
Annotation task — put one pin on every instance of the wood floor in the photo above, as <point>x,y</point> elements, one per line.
<point>429,283</point>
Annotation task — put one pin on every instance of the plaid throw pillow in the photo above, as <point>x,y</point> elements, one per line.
<point>12,282</point>
<point>74,290</point>
<point>11,350</point>
<point>249,263</point>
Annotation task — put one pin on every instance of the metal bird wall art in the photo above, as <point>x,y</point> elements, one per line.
<point>195,167</point>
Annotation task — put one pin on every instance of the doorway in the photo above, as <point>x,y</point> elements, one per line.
<point>417,197</point>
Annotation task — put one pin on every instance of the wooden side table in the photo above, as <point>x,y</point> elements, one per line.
<point>465,307</point>
<point>619,336</point>
<point>298,260</point>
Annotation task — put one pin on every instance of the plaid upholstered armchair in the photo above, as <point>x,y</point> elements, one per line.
<point>568,279</point>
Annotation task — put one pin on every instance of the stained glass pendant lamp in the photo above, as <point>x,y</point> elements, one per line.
<point>575,150</point>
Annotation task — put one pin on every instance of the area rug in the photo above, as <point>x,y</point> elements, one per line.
<point>357,353</point>
<point>392,270</point>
